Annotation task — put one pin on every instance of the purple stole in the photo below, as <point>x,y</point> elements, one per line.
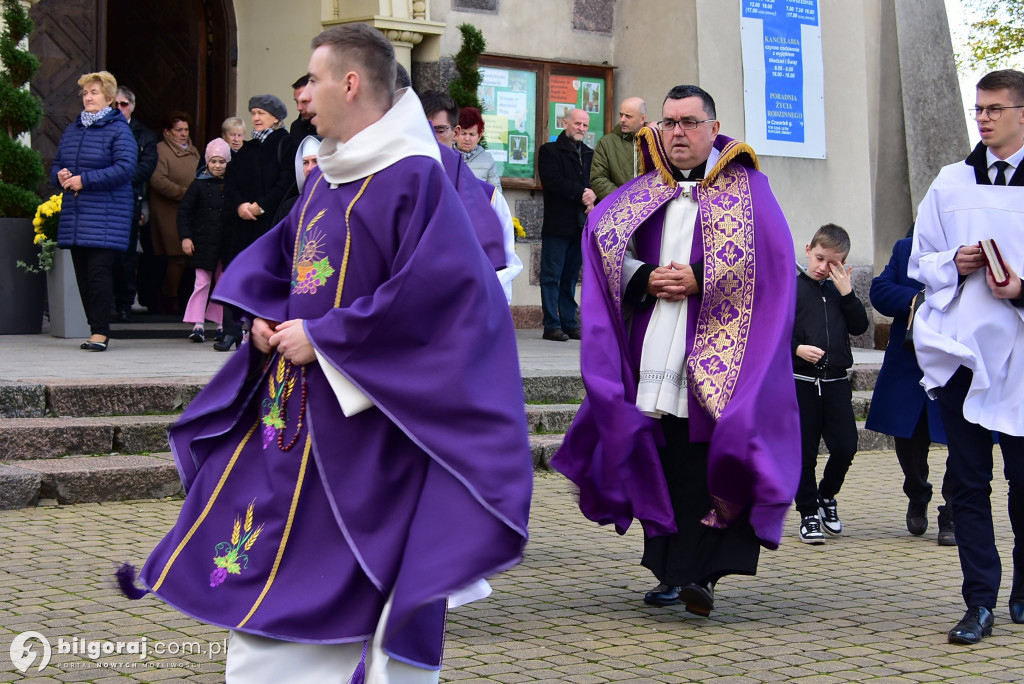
<point>739,372</point>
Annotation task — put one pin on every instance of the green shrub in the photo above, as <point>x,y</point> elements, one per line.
<point>21,169</point>
<point>463,89</point>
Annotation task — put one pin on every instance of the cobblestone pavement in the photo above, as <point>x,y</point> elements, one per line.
<point>873,604</point>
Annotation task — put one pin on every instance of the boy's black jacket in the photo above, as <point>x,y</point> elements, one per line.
<point>825,319</point>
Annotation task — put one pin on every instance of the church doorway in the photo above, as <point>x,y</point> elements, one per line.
<point>175,56</point>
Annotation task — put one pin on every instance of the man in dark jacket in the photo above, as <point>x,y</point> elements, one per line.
<point>615,157</point>
<point>303,124</point>
<point>565,174</point>
<point>125,264</point>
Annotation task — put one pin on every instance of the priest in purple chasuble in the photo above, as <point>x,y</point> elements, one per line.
<point>362,464</point>
<point>690,421</point>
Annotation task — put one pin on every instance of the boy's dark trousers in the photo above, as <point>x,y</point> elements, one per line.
<point>826,411</point>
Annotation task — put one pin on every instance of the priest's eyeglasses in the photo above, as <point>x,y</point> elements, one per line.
<point>686,124</point>
<point>994,111</point>
<point>441,130</point>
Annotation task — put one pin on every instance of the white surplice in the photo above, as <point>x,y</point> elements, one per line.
<point>662,387</point>
<point>962,323</point>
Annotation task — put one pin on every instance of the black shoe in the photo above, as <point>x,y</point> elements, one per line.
<point>197,335</point>
<point>555,334</point>
<point>947,531</point>
<point>96,346</point>
<point>917,518</point>
<point>699,598</point>
<point>219,337</point>
<point>227,343</point>
<point>663,595</point>
<point>828,512</point>
<point>1017,610</point>
<point>574,333</point>
<point>124,315</point>
<point>975,626</point>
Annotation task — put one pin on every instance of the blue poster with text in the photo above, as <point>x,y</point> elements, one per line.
<point>783,63</point>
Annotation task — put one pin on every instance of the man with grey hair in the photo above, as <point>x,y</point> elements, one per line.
<point>375,416</point>
<point>615,157</point>
<point>564,167</point>
<point>125,264</point>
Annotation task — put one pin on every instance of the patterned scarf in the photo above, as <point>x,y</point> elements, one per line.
<point>89,118</point>
<point>260,136</point>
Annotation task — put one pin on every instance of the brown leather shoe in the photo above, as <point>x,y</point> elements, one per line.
<point>556,335</point>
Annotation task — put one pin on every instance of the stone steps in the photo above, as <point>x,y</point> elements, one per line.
<point>49,429</point>
<point>118,477</point>
<point>88,479</point>
<point>37,438</point>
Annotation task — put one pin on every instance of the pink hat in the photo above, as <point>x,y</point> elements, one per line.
<point>218,147</point>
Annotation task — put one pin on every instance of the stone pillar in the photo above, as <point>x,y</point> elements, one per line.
<point>405,23</point>
<point>936,132</point>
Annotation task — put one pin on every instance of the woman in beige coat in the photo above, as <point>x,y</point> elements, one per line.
<point>177,162</point>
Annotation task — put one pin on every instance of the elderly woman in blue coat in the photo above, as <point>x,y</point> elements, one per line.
<point>94,164</point>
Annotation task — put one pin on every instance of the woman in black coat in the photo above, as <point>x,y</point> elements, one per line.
<point>258,178</point>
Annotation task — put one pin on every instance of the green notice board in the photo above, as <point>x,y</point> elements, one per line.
<point>566,92</point>
<point>510,119</point>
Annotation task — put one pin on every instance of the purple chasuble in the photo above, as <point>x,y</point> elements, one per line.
<point>301,522</point>
<point>476,198</point>
<point>742,400</point>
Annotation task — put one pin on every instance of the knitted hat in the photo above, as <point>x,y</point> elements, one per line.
<point>269,103</point>
<point>218,147</point>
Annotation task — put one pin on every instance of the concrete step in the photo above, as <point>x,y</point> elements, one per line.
<point>35,438</point>
<point>118,477</point>
<point>125,397</point>
<point>864,375</point>
<point>97,397</point>
<point>549,418</point>
<point>87,479</point>
<point>861,403</point>
<point>137,396</point>
<point>39,438</point>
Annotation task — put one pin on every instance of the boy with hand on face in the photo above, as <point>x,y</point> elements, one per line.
<point>827,313</point>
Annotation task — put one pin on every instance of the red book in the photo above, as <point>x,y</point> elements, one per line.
<point>996,265</point>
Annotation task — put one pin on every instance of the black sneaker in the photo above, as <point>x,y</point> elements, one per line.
<point>829,517</point>
<point>810,530</point>
<point>197,335</point>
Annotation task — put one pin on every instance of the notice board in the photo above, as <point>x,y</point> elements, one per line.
<point>524,107</point>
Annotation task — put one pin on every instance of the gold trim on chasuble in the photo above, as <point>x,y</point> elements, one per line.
<point>309,441</point>
<point>617,225</point>
<point>723,324</point>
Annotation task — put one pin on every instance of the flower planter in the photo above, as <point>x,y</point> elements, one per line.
<point>21,294</point>
<point>67,316</point>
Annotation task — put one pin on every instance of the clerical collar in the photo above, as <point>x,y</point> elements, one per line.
<point>693,174</point>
